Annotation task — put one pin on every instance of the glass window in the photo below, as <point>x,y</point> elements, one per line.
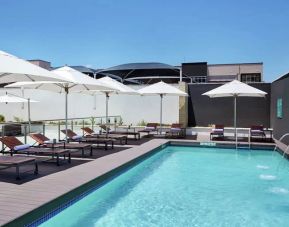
<point>199,79</point>
<point>279,108</point>
<point>251,77</point>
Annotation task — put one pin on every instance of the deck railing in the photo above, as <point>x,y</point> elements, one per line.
<point>52,127</point>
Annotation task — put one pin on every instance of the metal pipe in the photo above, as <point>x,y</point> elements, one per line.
<point>29,118</point>
<point>58,130</point>
<point>181,74</point>
<point>94,102</point>
<point>25,133</point>
<point>161,113</point>
<point>43,129</point>
<point>235,118</point>
<point>106,111</point>
<point>66,112</point>
<point>3,134</point>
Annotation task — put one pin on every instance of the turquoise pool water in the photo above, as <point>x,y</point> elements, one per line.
<point>190,186</point>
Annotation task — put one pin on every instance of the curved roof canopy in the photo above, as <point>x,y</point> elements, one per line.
<point>147,73</point>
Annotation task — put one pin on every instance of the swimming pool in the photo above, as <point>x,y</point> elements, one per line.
<point>190,186</point>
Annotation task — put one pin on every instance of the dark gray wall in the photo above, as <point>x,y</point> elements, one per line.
<point>280,89</point>
<point>203,110</point>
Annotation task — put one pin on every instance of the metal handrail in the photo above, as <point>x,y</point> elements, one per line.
<point>24,130</point>
<point>280,140</point>
<point>249,139</point>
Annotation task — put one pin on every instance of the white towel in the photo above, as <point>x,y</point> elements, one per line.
<point>21,147</point>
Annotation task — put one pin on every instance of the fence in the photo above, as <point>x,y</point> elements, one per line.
<point>52,128</point>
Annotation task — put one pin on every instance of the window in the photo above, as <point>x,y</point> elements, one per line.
<point>251,77</point>
<point>279,108</point>
<point>199,79</point>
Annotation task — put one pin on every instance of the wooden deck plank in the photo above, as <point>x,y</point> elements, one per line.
<point>33,194</point>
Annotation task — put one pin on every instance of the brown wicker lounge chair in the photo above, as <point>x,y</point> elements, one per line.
<point>44,141</point>
<point>12,143</point>
<point>257,131</point>
<point>176,131</point>
<point>88,132</point>
<point>72,136</point>
<point>17,162</point>
<point>150,127</point>
<point>218,131</point>
<point>135,134</point>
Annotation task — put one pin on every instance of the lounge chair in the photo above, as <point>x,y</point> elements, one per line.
<point>257,131</point>
<point>218,131</point>
<point>176,131</point>
<point>105,128</point>
<point>72,136</point>
<point>17,162</point>
<point>88,132</point>
<point>17,147</point>
<point>44,141</point>
<point>150,127</point>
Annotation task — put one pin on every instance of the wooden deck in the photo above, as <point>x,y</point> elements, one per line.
<point>17,200</point>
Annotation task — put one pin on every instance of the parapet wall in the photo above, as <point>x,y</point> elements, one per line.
<point>203,111</point>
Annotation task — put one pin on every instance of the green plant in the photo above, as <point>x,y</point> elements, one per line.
<point>92,120</point>
<point>142,123</point>
<point>2,118</point>
<point>120,121</point>
<point>17,119</point>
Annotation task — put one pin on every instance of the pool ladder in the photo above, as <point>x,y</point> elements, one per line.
<point>238,146</point>
<point>286,151</point>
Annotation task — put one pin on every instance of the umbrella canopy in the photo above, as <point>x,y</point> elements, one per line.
<point>76,81</point>
<point>235,89</point>
<point>14,99</point>
<point>119,88</point>
<point>162,89</point>
<point>13,69</point>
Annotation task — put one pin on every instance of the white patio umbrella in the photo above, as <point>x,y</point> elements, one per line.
<point>77,81</point>
<point>235,89</point>
<point>11,98</point>
<point>13,69</point>
<point>162,89</point>
<point>119,88</point>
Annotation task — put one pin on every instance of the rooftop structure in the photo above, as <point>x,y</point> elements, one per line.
<point>192,72</point>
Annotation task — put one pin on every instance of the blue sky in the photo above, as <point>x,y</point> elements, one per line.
<point>103,33</point>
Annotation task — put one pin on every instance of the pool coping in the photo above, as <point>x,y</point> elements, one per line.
<point>22,204</point>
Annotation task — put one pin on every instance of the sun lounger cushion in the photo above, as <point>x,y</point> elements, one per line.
<point>218,130</point>
<point>76,137</point>
<point>150,128</point>
<point>258,131</point>
<point>175,129</point>
<point>21,147</point>
<point>48,141</point>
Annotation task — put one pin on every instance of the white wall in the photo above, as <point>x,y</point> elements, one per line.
<point>133,109</point>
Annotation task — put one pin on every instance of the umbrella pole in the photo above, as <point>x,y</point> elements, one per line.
<point>29,119</point>
<point>106,112</point>
<point>161,113</point>
<point>235,119</point>
<point>66,112</point>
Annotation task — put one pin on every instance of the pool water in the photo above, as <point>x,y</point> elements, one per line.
<point>190,186</point>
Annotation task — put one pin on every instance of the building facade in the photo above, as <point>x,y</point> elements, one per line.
<point>201,72</point>
<point>152,72</point>
<point>280,106</point>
